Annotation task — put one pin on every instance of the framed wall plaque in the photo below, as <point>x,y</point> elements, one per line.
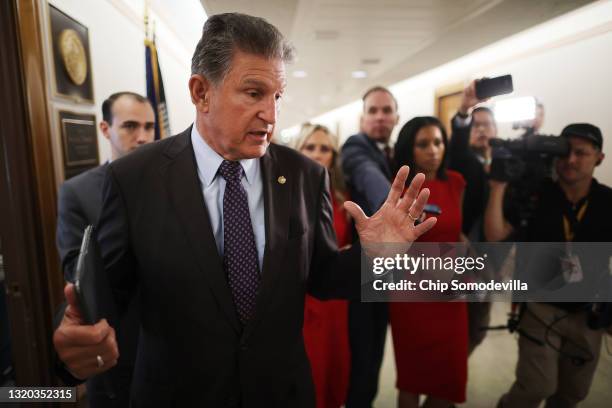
<point>79,142</point>
<point>71,59</point>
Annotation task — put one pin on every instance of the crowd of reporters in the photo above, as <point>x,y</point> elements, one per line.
<point>345,340</point>
<point>432,341</point>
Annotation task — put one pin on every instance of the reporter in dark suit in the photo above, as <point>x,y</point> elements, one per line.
<point>223,234</point>
<point>128,122</point>
<point>366,162</point>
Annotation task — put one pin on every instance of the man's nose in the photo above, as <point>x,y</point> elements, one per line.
<point>571,158</point>
<point>269,111</point>
<point>142,135</point>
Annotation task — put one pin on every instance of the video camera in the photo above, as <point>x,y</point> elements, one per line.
<point>525,163</point>
<point>529,158</point>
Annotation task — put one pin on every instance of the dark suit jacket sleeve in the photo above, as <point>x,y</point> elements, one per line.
<point>459,145</point>
<point>71,222</point>
<point>333,274</point>
<point>365,175</point>
<point>113,236</point>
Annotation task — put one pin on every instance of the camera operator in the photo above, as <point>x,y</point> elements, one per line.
<point>573,208</point>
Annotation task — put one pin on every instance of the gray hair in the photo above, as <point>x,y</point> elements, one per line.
<point>224,33</point>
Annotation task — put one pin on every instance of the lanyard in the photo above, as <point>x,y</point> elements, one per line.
<point>569,227</point>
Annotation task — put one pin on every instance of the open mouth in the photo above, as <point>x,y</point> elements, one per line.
<point>259,134</point>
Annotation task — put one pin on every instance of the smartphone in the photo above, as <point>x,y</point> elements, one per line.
<point>488,87</point>
<point>432,209</point>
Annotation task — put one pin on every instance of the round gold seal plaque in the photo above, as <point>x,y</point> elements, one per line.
<point>73,55</point>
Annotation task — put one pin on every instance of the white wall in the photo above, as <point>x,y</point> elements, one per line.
<point>567,63</point>
<point>116,38</point>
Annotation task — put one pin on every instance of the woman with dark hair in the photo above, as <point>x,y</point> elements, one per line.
<point>326,322</point>
<point>431,339</point>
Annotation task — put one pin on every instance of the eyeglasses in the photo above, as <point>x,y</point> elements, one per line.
<point>486,125</point>
<point>311,147</point>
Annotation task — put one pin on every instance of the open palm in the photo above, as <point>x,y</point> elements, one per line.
<point>394,221</point>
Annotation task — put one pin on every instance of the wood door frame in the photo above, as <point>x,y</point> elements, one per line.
<point>445,91</point>
<point>27,183</point>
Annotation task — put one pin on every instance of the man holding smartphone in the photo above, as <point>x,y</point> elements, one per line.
<point>470,155</point>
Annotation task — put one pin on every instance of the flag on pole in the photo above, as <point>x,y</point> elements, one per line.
<point>155,90</point>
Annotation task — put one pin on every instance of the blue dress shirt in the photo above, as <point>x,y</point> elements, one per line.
<point>213,187</point>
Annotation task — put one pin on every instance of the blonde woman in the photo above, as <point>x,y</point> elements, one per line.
<point>325,322</point>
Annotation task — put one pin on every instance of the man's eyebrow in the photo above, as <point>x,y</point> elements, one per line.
<point>254,82</point>
<point>130,122</point>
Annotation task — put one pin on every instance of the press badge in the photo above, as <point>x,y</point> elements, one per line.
<point>571,267</point>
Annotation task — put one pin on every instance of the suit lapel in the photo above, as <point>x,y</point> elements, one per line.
<point>277,186</point>
<point>186,197</point>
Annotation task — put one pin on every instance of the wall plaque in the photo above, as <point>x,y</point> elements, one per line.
<point>71,60</point>
<point>79,142</point>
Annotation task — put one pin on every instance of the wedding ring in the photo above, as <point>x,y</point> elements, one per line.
<point>99,361</point>
<point>414,219</point>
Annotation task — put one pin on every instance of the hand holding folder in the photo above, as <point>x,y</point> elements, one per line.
<point>84,340</point>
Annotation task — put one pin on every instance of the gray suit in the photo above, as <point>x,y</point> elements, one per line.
<point>79,205</point>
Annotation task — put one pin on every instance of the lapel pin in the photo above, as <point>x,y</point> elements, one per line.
<point>282,180</point>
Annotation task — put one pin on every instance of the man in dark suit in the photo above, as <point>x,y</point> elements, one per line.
<point>127,122</point>
<point>223,233</point>
<point>470,155</point>
<point>367,164</point>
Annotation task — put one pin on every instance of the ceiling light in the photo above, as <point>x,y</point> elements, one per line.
<point>370,61</point>
<point>359,74</point>
<point>300,74</point>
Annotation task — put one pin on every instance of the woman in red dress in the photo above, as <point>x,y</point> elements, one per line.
<point>430,339</point>
<point>326,322</point>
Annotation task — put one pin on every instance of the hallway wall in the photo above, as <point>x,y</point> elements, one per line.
<point>566,63</point>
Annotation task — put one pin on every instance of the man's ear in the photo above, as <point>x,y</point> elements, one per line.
<point>104,128</point>
<point>601,157</point>
<point>200,89</point>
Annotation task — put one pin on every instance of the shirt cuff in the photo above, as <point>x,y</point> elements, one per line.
<point>462,122</point>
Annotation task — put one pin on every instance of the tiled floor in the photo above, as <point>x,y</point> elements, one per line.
<point>491,370</point>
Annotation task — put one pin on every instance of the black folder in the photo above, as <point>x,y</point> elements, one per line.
<point>94,292</point>
<point>93,289</point>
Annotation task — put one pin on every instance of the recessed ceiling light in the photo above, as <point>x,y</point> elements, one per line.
<point>300,74</point>
<point>370,61</point>
<point>359,74</point>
